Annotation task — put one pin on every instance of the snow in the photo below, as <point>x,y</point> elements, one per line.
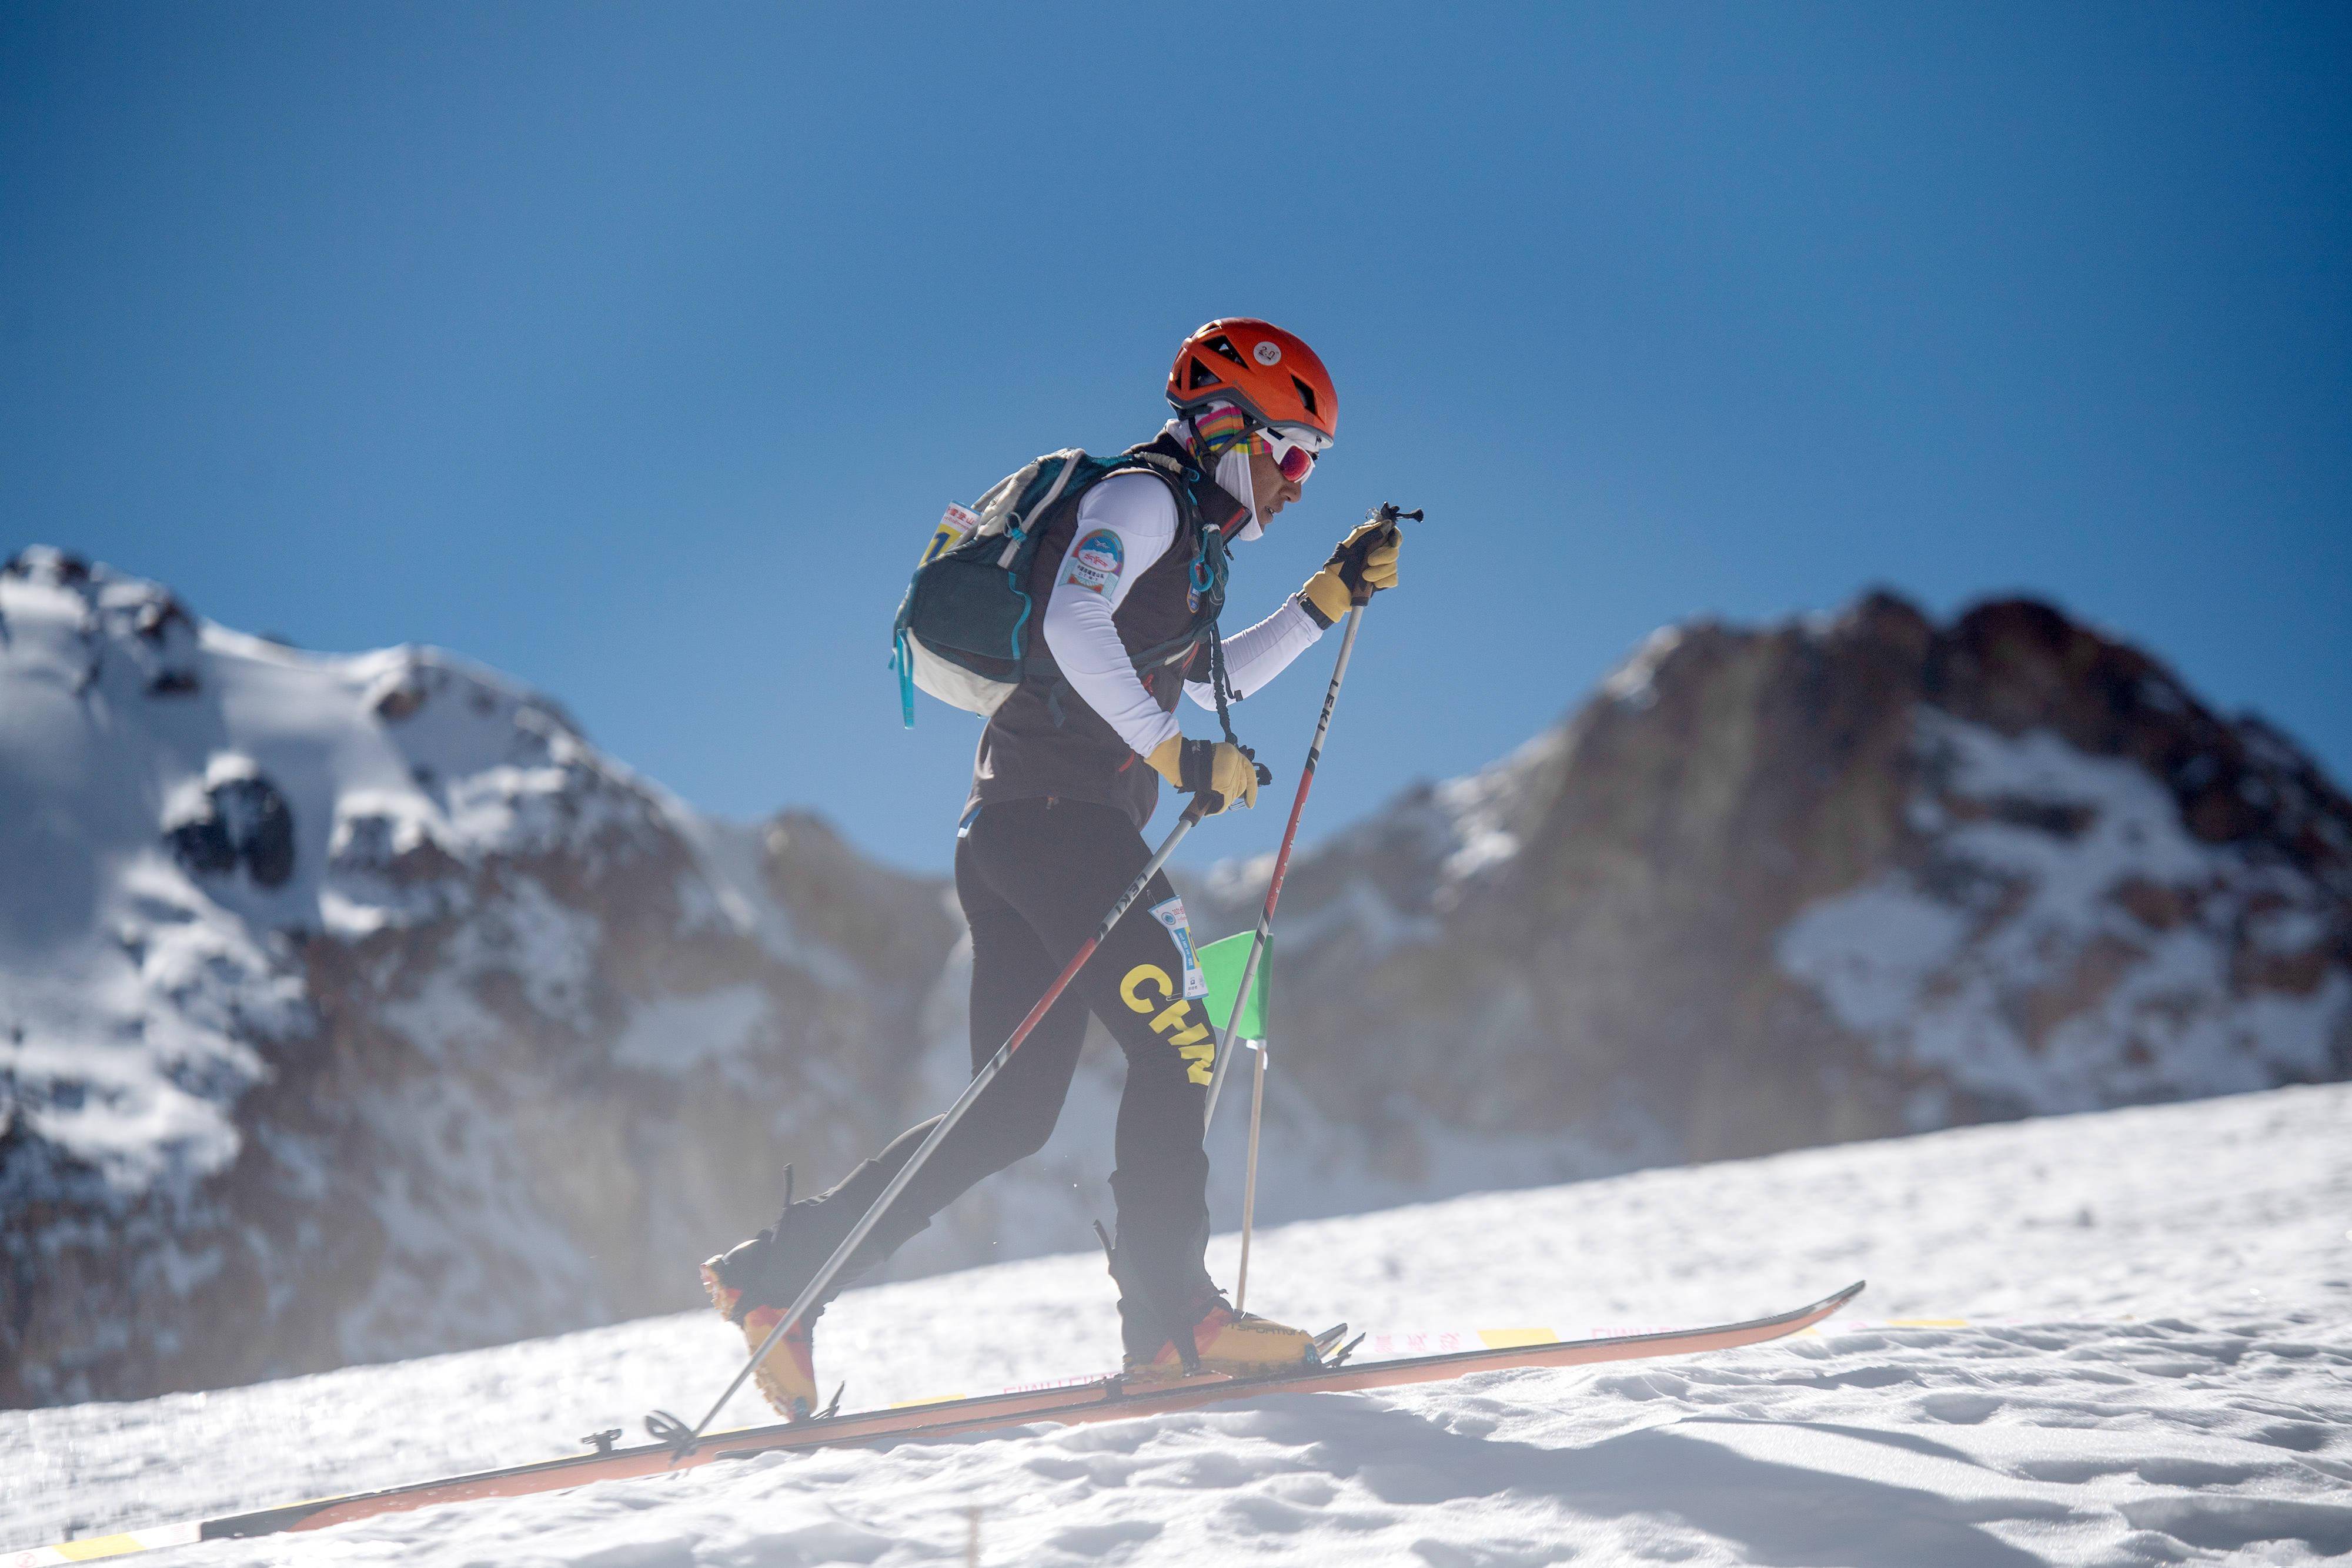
<point>1481,806</point>
<point>2015,961</point>
<point>2115,1338</point>
<point>1634,683</point>
<point>1429,849</point>
<point>142,987</point>
<point>681,1032</point>
<point>254,901</point>
<point>126,718</point>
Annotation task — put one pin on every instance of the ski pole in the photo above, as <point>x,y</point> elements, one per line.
<point>667,1428</point>
<point>1249,1180</point>
<point>1388,513</point>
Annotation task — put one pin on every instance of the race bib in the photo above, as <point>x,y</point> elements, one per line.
<point>954,529</point>
<point>1171,915</point>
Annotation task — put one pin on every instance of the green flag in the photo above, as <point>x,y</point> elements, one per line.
<point>1221,966</point>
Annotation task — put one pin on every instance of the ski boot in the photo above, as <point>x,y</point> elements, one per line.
<point>755,1283</point>
<point>786,1374</point>
<point>1237,1344</point>
<point>1216,1338</point>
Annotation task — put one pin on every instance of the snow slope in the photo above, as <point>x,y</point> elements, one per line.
<point>2155,1367</point>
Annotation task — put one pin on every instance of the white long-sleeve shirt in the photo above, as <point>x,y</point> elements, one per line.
<point>1125,524</point>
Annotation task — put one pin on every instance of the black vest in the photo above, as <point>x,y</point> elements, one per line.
<point>1043,740</point>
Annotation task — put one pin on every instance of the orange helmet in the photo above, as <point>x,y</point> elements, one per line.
<point>1270,374</point>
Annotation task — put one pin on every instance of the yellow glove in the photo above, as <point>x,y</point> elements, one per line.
<point>1221,768</point>
<point>1365,562</point>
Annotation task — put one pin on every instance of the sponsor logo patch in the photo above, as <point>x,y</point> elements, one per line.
<point>1095,561</point>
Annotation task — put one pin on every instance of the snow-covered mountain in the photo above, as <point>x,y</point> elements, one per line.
<point>353,1008</point>
<point>357,1007</point>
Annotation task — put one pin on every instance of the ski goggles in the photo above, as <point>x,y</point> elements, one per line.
<point>1294,451</point>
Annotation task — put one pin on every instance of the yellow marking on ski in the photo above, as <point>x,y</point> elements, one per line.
<point>1509,1339</point>
<point>927,1399</point>
<point>98,1546</point>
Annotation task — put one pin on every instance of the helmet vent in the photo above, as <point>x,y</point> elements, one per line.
<point>1222,345</point>
<point>1307,396</point>
<point>1201,376</point>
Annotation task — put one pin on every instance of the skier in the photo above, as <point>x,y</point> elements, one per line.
<point>1067,774</point>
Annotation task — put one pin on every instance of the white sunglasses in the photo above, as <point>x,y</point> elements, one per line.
<point>1294,450</point>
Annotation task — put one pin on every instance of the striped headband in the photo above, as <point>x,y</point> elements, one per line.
<point>1221,429</point>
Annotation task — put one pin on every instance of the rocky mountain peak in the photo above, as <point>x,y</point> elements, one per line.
<point>2017,665</point>
<point>1846,876</point>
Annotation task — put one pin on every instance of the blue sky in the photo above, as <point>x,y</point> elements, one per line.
<point>636,349</point>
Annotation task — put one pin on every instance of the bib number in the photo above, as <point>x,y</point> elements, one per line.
<point>1171,915</point>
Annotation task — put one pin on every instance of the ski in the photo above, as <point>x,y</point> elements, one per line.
<point>1068,1402</point>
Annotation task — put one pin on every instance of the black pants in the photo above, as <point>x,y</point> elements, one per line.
<point>1035,877</point>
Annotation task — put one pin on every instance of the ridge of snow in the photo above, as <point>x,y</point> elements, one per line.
<point>1634,683</point>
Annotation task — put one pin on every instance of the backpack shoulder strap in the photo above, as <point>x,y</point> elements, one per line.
<point>1012,507</point>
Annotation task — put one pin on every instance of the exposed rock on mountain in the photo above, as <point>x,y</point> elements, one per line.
<point>1827,880</point>
<point>357,1007</point>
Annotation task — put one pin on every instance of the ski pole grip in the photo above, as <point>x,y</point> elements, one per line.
<point>1387,513</point>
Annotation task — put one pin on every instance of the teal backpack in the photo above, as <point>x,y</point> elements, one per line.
<point>964,626</point>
